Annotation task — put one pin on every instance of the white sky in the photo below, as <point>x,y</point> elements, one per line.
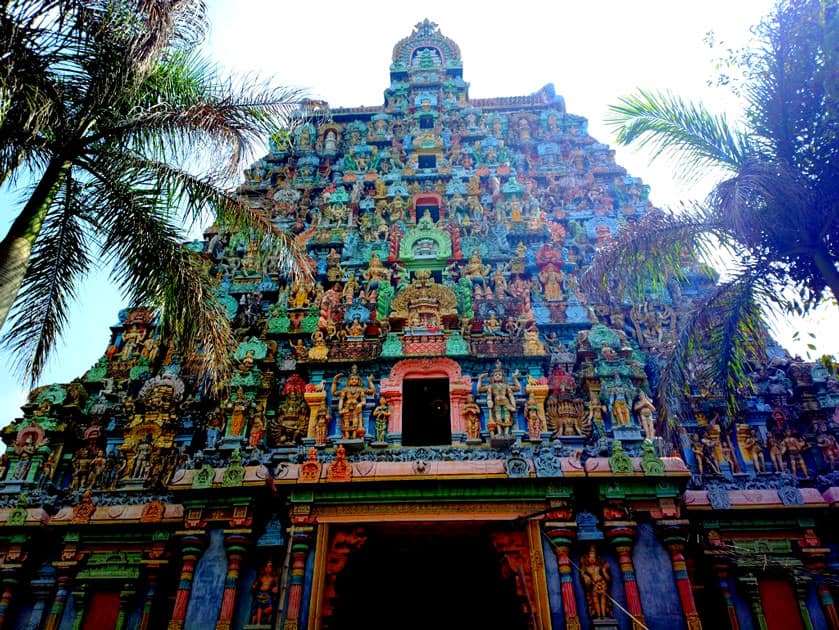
<point>592,51</point>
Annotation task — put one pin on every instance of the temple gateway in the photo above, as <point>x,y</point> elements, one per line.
<point>439,429</point>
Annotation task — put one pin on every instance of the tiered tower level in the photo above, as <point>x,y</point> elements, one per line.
<point>440,380</point>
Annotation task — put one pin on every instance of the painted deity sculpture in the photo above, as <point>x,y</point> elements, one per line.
<point>501,400</point>
<point>351,400</point>
<point>381,418</point>
<point>472,418</point>
<point>645,409</point>
<point>596,581</point>
<point>265,588</point>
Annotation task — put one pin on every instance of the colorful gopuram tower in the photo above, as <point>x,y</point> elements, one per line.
<point>440,430</point>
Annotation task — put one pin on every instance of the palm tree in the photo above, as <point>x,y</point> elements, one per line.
<point>128,136</point>
<point>776,209</point>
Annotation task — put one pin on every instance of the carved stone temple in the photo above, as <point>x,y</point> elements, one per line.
<point>440,430</point>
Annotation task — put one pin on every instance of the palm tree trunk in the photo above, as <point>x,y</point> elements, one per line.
<point>829,272</point>
<point>16,247</point>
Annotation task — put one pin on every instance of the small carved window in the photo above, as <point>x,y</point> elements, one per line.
<point>427,161</point>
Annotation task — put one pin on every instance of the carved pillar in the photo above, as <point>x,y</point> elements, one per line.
<point>80,604</point>
<point>752,592</point>
<point>236,547</point>
<point>802,587</point>
<point>148,600</point>
<point>392,391</point>
<point>459,388</point>
<point>59,603</point>
<point>562,536</point>
<point>622,538</point>
<point>126,599</point>
<point>9,581</point>
<point>722,576</point>
<point>42,587</point>
<point>192,547</point>
<point>315,399</point>
<point>540,394</point>
<point>301,541</point>
<point>675,545</point>
<point>828,605</point>
<point>815,559</point>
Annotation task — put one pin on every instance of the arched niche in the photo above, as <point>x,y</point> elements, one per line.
<point>438,368</point>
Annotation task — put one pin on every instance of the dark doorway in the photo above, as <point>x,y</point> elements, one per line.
<point>422,580</point>
<point>425,412</point>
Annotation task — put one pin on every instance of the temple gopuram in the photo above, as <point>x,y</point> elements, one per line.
<point>440,429</point>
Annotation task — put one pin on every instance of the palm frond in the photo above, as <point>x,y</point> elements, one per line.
<point>181,190</point>
<point>185,109</point>
<point>672,127</point>
<point>59,259</point>
<point>154,268</point>
<point>646,254</point>
<point>716,346</point>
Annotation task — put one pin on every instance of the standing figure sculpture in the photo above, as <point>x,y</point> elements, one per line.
<point>351,400</point>
<point>645,409</point>
<point>381,419</point>
<point>596,580</point>
<point>795,447</point>
<point>472,417</point>
<point>501,400</point>
<point>265,589</point>
<point>619,395</point>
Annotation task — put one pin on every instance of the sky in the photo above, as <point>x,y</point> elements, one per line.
<point>593,52</point>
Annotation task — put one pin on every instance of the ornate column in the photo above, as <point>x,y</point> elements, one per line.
<point>802,587</point>
<point>674,541</point>
<point>59,603</point>
<point>752,591</point>
<point>192,546</point>
<point>236,545</point>
<point>315,399</point>
<point>80,604</point>
<point>815,559</point>
<point>562,536</point>
<point>828,605</point>
<point>301,541</point>
<point>126,599</point>
<point>42,587</point>
<point>622,537</point>
<point>148,600</point>
<point>459,389</point>
<point>722,577</point>
<point>9,581</point>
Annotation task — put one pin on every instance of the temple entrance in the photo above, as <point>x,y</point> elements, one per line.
<point>426,417</point>
<point>428,577</point>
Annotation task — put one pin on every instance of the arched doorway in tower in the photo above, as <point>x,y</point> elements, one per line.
<point>426,415</point>
<point>421,576</point>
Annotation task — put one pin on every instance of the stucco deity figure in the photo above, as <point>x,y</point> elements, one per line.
<point>240,408</point>
<point>351,400</point>
<point>754,447</point>
<point>501,400</point>
<point>596,580</point>
<point>472,418</point>
<point>376,272</point>
<point>794,447</point>
<point>551,280</point>
<point>381,418</point>
<point>619,395</point>
<point>776,452</point>
<point>645,409</point>
<point>265,588</point>
<point>829,448</point>
<point>475,269</point>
